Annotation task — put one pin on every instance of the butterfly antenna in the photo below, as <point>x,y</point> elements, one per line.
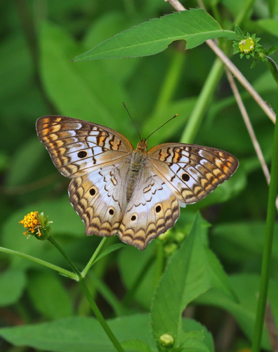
<point>162,126</point>
<point>132,121</point>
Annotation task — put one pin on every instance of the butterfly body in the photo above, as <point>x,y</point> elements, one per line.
<point>133,192</point>
<point>137,163</point>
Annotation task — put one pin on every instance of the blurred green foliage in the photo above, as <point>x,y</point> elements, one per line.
<point>39,38</point>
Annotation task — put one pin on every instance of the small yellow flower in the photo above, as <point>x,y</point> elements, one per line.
<point>37,225</point>
<point>30,222</point>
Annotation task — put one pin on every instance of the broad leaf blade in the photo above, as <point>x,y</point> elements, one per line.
<point>168,301</point>
<point>194,26</point>
<point>192,271</point>
<point>80,334</point>
<point>84,334</point>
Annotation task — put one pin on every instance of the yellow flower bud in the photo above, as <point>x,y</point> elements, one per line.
<point>166,341</point>
<point>247,46</point>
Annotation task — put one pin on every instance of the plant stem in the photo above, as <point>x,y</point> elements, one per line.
<point>201,105</point>
<point>99,316</point>
<point>270,220</point>
<point>74,268</point>
<point>94,256</point>
<point>90,299</point>
<point>62,271</point>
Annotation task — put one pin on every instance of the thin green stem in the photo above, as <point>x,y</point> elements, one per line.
<point>93,258</point>
<point>90,299</point>
<point>107,294</point>
<point>74,268</point>
<point>268,239</point>
<point>99,316</point>
<point>62,271</point>
<point>202,103</point>
<point>170,82</point>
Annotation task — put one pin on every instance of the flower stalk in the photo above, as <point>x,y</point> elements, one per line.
<point>38,225</point>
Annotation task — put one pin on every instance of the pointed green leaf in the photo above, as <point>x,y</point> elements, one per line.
<point>194,26</point>
<point>192,271</point>
<point>169,300</point>
<point>84,334</point>
<point>135,346</point>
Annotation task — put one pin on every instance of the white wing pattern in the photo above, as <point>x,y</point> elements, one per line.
<point>118,189</point>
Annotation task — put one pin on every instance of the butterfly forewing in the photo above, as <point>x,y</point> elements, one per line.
<point>192,171</point>
<point>78,147</point>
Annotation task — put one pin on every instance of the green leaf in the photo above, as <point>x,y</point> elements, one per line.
<point>192,270</point>
<point>194,26</point>
<point>175,290</point>
<point>79,334</point>
<point>84,334</point>
<point>135,345</point>
<point>193,329</point>
<point>49,296</point>
<point>85,91</point>
<point>12,283</point>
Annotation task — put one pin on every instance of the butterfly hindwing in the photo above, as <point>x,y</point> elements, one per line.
<point>152,210</point>
<point>100,199</point>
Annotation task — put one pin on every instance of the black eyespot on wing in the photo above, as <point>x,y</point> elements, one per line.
<point>158,208</point>
<point>92,191</point>
<point>185,177</point>
<point>82,154</point>
<point>133,218</point>
<point>111,211</point>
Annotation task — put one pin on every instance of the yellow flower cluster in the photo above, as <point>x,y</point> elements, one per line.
<point>30,222</point>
